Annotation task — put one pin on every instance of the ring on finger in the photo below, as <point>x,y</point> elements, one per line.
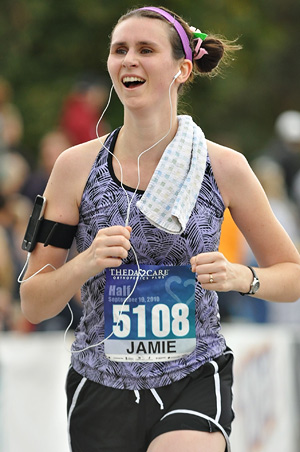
<point>211,279</point>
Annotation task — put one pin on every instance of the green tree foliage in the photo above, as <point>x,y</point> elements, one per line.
<point>45,44</point>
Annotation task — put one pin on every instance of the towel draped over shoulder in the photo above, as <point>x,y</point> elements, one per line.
<point>174,187</point>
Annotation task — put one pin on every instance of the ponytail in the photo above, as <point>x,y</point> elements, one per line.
<point>217,50</point>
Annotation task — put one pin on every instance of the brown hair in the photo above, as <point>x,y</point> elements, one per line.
<point>217,47</point>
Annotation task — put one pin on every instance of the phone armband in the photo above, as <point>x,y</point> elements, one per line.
<point>56,234</point>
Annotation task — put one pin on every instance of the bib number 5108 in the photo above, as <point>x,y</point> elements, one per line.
<point>164,320</point>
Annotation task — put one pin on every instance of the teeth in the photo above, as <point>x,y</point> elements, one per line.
<point>132,79</point>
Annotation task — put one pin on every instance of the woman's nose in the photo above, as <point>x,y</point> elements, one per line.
<point>130,59</point>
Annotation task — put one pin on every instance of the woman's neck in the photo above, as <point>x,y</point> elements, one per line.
<point>140,134</point>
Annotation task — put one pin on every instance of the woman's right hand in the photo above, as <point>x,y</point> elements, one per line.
<point>45,295</point>
<point>109,248</point>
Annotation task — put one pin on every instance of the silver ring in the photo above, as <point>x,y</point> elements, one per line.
<point>211,279</point>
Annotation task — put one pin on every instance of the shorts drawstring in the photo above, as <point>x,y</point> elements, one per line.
<point>137,395</point>
<point>157,398</point>
<point>155,395</point>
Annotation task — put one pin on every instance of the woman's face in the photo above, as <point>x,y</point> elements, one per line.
<point>140,62</point>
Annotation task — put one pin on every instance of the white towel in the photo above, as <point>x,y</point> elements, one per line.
<point>174,187</point>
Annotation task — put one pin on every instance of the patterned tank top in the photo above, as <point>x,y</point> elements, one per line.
<point>104,203</point>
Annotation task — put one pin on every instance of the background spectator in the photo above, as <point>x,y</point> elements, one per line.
<point>82,109</point>
<point>51,146</point>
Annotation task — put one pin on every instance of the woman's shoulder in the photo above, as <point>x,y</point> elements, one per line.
<point>77,161</point>
<point>224,155</point>
<point>229,168</point>
<point>71,171</point>
<point>81,154</point>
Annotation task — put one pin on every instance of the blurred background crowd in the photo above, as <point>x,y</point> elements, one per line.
<point>54,86</point>
<point>22,180</point>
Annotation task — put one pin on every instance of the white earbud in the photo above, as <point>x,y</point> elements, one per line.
<point>177,75</point>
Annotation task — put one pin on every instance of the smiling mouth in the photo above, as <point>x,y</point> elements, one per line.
<point>132,82</point>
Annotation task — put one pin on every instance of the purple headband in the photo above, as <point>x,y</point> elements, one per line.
<point>178,27</point>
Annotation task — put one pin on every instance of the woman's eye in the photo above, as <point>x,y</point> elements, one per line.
<point>121,51</point>
<point>146,51</point>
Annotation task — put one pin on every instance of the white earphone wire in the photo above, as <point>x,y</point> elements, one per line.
<point>20,280</point>
<point>129,202</point>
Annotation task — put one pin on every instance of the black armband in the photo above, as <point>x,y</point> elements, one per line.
<point>56,234</point>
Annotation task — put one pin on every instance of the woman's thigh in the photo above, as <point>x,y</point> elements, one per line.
<point>188,441</point>
<point>197,408</point>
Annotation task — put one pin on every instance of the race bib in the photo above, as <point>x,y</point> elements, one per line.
<point>156,320</point>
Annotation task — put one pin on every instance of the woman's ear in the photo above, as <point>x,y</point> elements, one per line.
<point>186,68</point>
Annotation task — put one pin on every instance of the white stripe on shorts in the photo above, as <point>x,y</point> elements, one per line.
<point>204,416</point>
<point>217,390</point>
<point>73,404</point>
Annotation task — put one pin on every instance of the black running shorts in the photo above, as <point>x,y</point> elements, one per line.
<point>103,419</point>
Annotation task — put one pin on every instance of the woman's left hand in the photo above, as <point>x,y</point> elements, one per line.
<point>215,272</point>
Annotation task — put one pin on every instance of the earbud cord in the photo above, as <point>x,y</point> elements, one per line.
<point>129,202</point>
<point>20,280</point>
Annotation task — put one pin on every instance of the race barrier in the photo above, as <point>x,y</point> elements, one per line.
<point>33,369</point>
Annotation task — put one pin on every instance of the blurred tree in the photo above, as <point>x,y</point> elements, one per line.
<point>44,45</point>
